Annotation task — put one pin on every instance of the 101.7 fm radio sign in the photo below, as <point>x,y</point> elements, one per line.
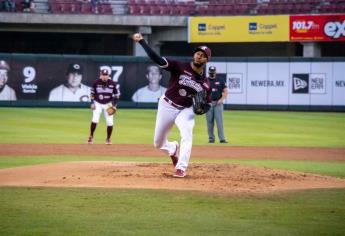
<point>317,28</point>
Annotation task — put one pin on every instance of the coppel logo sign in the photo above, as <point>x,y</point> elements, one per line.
<point>253,26</point>
<point>202,27</point>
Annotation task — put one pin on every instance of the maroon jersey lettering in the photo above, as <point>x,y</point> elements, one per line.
<point>184,83</point>
<point>105,92</point>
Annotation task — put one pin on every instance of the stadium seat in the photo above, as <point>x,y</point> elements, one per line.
<point>278,9</point>
<point>219,10</point>
<point>307,8</point>
<point>230,2</point>
<point>274,2</point>
<point>134,9</point>
<point>228,9</point>
<point>105,9</point>
<point>144,10</point>
<point>155,10</point>
<point>191,9</point>
<point>202,11</point>
<point>164,10</point>
<point>213,2</point>
<point>86,8</point>
<point>19,5</point>
<point>174,10</point>
<point>240,9</point>
<point>63,8</point>
<point>210,11</point>
<point>75,8</point>
<point>55,7</point>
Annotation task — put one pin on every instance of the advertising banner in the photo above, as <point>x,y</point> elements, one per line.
<point>239,29</point>
<point>236,75</point>
<point>259,82</point>
<point>60,79</point>
<point>320,83</point>
<point>284,83</point>
<point>317,28</point>
<point>338,84</point>
<point>278,83</point>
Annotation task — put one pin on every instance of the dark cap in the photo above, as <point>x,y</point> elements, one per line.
<point>212,69</point>
<point>204,49</point>
<point>4,65</point>
<point>104,72</point>
<point>75,68</point>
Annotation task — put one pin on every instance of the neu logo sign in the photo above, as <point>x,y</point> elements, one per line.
<point>335,29</point>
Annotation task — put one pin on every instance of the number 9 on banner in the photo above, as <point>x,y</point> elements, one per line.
<point>29,73</point>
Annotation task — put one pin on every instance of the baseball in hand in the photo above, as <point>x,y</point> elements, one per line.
<point>137,37</point>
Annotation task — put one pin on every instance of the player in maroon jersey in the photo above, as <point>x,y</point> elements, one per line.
<point>104,93</point>
<point>175,106</point>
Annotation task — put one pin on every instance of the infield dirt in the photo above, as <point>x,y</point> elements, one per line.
<point>213,178</point>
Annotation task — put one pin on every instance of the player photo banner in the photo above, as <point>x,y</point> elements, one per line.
<point>69,79</point>
<point>317,28</point>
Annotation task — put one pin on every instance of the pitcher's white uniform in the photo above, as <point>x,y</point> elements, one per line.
<point>176,107</point>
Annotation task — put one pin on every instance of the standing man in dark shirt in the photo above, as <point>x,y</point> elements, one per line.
<point>219,91</point>
<point>104,93</point>
<point>175,106</point>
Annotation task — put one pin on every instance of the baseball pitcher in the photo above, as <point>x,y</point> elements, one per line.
<point>187,82</point>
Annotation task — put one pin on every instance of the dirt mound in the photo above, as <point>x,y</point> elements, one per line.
<point>213,178</point>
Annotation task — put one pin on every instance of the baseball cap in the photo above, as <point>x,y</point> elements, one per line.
<point>75,68</point>
<point>4,65</point>
<point>104,72</point>
<point>204,49</point>
<point>212,69</point>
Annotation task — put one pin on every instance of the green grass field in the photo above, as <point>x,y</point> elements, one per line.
<point>49,211</point>
<point>243,128</point>
<point>93,211</point>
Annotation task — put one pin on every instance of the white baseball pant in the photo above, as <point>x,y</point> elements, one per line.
<point>98,111</point>
<point>167,115</point>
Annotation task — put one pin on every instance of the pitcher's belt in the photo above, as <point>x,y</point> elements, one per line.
<point>173,104</point>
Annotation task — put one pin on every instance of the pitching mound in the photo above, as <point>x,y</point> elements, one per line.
<point>212,178</point>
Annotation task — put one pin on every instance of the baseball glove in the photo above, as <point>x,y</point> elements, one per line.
<point>200,105</point>
<point>111,110</point>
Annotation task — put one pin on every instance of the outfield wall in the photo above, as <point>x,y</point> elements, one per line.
<point>254,83</point>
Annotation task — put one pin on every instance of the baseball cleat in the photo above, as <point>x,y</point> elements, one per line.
<point>174,157</point>
<point>90,140</point>
<point>107,141</point>
<point>179,173</point>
